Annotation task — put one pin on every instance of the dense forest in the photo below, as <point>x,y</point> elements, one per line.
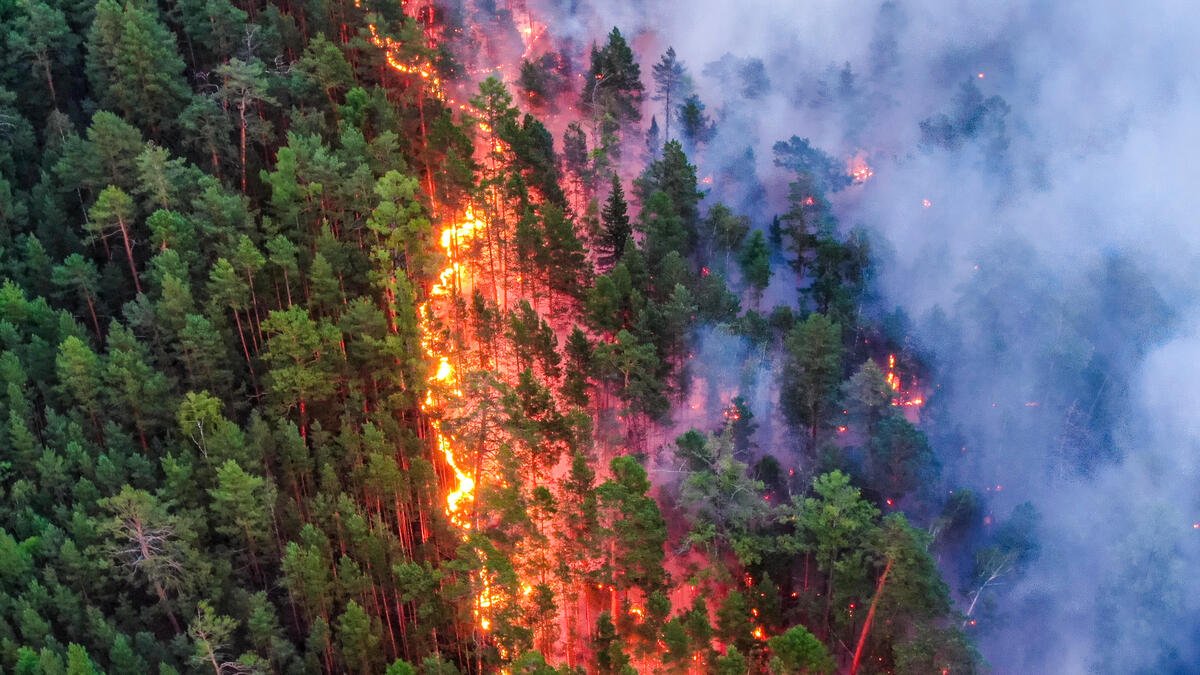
<point>321,352</point>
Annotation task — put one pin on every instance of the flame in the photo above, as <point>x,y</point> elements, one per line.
<point>443,385</point>
<point>732,413</point>
<point>391,49</point>
<point>892,379</point>
<point>894,382</point>
<point>453,239</point>
<point>759,634</point>
<point>858,168</point>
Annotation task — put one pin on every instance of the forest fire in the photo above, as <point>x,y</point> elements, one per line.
<point>455,237</point>
<point>902,398</point>
<point>858,168</point>
<point>463,354</point>
<point>391,52</point>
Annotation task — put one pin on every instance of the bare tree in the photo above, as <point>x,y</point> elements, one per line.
<point>144,540</point>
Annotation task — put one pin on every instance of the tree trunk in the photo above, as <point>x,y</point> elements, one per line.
<point>862,638</point>
<point>242,114</point>
<point>92,311</point>
<point>245,349</point>
<point>45,61</point>
<point>137,284</point>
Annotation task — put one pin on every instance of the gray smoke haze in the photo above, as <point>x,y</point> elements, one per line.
<point>1052,276</point>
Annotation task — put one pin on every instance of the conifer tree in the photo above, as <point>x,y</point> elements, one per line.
<point>134,65</point>
<point>671,86</point>
<point>616,227</point>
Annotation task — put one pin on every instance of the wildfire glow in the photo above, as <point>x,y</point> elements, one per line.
<point>391,51</point>
<point>893,381</point>
<point>443,385</point>
<point>454,238</point>
<point>858,168</point>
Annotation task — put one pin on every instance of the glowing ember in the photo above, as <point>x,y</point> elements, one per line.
<point>759,634</point>
<point>732,413</point>
<point>894,382</point>
<point>858,168</point>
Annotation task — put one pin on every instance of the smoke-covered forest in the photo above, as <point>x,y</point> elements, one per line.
<point>487,336</point>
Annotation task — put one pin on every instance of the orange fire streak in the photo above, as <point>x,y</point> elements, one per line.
<point>391,49</point>
<point>444,382</point>
<point>453,239</point>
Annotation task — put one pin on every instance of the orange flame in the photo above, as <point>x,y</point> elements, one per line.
<point>858,168</point>
<point>894,382</point>
<point>391,50</point>
<point>444,385</point>
<point>453,239</point>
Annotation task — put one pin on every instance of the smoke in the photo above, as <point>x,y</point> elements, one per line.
<point>1044,244</point>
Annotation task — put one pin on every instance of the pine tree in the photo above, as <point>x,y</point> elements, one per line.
<point>612,92</point>
<point>44,37</point>
<point>79,275</point>
<point>811,374</point>
<point>616,228</point>
<point>242,503</point>
<point>134,66</point>
<point>113,213</point>
<point>359,639</point>
<point>244,89</point>
<point>755,261</point>
<point>695,127</point>
<point>671,86</point>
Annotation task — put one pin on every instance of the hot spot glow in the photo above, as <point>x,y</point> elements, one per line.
<point>858,168</point>
<point>901,398</point>
<point>443,386</point>
<point>391,52</point>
